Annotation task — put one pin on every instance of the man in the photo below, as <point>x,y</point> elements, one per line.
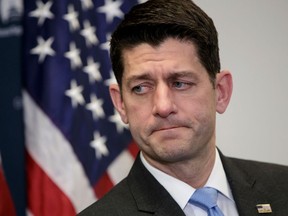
<point>165,58</point>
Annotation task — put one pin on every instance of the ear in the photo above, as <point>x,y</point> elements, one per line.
<point>116,97</point>
<point>224,88</point>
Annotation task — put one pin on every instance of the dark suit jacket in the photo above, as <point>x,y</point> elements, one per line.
<point>251,183</point>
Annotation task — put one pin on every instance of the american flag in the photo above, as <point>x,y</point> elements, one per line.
<point>77,146</point>
<point>6,203</point>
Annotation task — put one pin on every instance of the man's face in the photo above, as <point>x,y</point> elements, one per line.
<point>168,101</point>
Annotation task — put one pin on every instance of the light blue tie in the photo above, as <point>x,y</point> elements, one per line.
<point>206,198</point>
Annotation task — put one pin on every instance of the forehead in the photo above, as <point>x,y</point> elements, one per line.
<point>171,55</point>
<point>168,46</point>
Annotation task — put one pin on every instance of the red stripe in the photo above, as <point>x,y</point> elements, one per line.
<point>44,197</point>
<point>133,149</point>
<point>6,203</point>
<point>103,185</point>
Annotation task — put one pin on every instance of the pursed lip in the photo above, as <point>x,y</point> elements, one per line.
<point>168,128</point>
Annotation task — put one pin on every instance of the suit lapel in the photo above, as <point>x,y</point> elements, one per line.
<point>150,196</point>
<point>248,190</point>
<point>242,189</point>
<point>250,185</point>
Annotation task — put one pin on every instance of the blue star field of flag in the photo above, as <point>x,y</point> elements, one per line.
<point>67,72</point>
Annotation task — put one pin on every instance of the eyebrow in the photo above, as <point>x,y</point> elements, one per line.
<point>169,76</point>
<point>144,76</point>
<point>181,74</point>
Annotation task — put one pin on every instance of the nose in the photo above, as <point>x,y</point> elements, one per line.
<point>164,104</point>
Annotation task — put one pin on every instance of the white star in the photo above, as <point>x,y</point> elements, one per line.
<point>141,1</point>
<point>74,56</point>
<point>92,69</point>
<point>43,48</point>
<point>42,12</point>
<point>72,18</point>
<point>89,34</point>
<point>111,9</point>
<point>99,144</point>
<point>106,45</point>
<point>95,106</point>
<point>75,93</point>
<point>86,4</point>
<point>116,119</point>
<point>112,79</point>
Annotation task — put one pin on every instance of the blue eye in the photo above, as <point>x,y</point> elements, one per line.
<point>179,85</point>
<point>141,89</point>
<point>182,85</point>
<point>137,89</point>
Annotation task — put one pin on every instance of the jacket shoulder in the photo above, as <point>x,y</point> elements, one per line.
<point>110,204</point>
<point>260,167</point>
<point>270,173</point>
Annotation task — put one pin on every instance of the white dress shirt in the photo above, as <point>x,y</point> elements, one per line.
<point>181,192</point>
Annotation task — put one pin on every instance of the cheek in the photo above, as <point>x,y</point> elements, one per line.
<point>202,109</point>
<point>137,119</point>
<point>137,112</point>
<point>207,116</point>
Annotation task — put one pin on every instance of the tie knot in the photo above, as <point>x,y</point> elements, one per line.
<point>205,198</point>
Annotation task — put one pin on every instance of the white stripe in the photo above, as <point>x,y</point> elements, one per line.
<point>29,213</point>
<point>120,167</point>
<point>50,149</point>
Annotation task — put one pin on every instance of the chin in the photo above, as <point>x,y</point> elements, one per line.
<point>173,155</point>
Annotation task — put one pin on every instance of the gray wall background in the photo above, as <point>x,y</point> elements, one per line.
<point>253,37</point>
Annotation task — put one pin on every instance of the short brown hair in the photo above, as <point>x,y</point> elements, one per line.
<point>156,20</point>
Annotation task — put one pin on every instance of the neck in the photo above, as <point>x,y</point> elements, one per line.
<point>194,172</point>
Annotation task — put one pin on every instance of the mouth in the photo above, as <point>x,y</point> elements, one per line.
<point>167,128</point>
<point>168,133</point>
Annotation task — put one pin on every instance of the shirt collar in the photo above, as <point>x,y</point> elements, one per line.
<point>218,178</point>
<point>181,192</point>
